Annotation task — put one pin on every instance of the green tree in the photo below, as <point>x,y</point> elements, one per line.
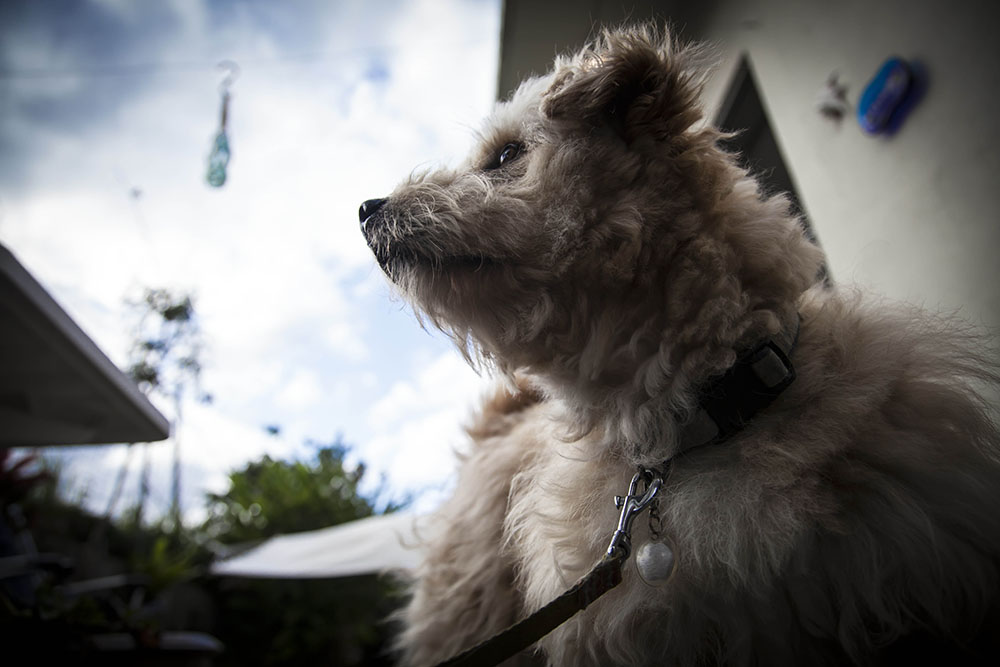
<point>269,497</point>
<point>297,622</point>
<point>165,359</point>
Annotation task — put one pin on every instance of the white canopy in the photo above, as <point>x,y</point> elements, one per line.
<point>367,546</point>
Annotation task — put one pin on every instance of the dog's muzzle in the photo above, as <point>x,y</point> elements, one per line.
<point>373,227</point>
<point>395,252</point>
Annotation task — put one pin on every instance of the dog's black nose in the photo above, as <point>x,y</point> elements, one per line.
<point>369,208</point>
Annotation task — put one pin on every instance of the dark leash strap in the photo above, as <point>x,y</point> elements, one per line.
<point>602,578</point>
<point>606,575</point>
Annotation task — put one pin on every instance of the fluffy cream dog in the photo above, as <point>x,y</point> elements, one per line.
<point>612,262</point>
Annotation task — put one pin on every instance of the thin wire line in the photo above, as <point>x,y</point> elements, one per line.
<point>147,69</point>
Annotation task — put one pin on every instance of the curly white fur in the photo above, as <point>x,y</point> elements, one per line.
<point>614,264</point>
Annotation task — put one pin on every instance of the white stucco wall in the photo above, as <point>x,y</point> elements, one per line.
<point>915,216</point>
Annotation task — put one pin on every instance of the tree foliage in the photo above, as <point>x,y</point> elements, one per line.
<point>297,622</point>
<point>164,359</point>
<point>269,497</point>
<point>166,345</point>
<point>260,622</point>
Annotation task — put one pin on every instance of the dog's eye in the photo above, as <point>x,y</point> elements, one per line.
<point>509,152</point>
<point>506,154</point>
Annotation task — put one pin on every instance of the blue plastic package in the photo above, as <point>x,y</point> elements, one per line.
<point>886,97</point>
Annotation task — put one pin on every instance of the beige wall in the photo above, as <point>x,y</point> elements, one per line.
<point>914,217</point>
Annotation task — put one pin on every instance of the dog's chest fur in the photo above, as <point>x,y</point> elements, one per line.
<point>561,508</point>
<point>561,515</point>
<point>806,507</point>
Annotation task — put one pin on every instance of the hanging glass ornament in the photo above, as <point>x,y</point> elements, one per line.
<point>218,159</point>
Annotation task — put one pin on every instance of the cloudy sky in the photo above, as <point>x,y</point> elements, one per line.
<point>107,112</point>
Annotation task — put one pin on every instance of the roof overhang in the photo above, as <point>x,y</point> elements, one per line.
<point>56,386</point>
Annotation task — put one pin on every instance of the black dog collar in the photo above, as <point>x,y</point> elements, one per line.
<point>732,399</point>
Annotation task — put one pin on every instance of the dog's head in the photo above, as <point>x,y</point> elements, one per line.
<point>596,216</point>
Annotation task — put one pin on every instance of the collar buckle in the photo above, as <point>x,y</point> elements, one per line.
<point>730,401</point>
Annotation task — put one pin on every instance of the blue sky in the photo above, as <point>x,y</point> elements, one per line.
<point>334,104</point>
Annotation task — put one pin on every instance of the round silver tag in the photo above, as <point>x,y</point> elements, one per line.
<point>655,562</point>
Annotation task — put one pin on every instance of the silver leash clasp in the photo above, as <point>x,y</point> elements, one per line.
<point>631,505</point>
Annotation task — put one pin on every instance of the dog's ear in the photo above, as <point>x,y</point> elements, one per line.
<point>637,80</point>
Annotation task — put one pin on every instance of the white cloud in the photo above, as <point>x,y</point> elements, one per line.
<point>223,441</point>
<point>418,424</point>
<point>302,390</point>
<point>347,340</point>
<point>285,286</point>
<point>445,381</point>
